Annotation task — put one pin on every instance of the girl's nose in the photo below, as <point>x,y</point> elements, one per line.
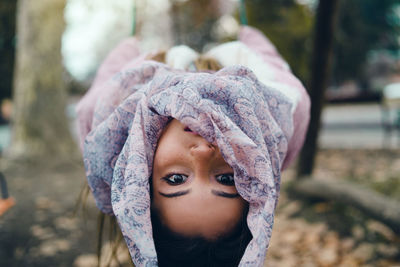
<point>203,151</point>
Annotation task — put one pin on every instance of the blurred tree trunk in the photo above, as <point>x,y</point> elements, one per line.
<point>373,204</point>
<point>193,21</point>
<point>7,35</point>
<point>40,123</point>
<point>321,65</point>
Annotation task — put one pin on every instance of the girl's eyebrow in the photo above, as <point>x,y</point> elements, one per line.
<point>185,192</point>
<point>175,194</point>
<point>224,194</point>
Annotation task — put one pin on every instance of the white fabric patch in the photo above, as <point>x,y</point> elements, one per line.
<point>180,57</point>
<point>234,53</point>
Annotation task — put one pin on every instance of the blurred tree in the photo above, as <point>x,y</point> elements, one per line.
<point>363,25</point>
<point>40,123</point>
<point>288,25</point>
<point>321,64</point>
<point>375,205</point>
<point>7,37</point>
<point>193,21</point>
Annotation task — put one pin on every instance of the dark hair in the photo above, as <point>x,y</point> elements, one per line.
<point>177,250</point>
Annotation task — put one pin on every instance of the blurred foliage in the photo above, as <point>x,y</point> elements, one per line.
<point>389,187</point>
<point>289,26</point>
<point>363,25</point>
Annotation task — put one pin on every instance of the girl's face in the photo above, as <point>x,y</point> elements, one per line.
<point>193,187</point>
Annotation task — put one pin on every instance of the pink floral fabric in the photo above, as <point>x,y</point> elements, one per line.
<point>252,124</point>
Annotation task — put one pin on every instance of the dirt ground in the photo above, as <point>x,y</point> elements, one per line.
<point>42,229</point>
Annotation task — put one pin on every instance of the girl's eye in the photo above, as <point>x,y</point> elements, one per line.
<point>175,179</point>
<point>225,179</point>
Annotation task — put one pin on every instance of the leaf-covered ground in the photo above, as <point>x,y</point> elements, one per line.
<point>331,234</point>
